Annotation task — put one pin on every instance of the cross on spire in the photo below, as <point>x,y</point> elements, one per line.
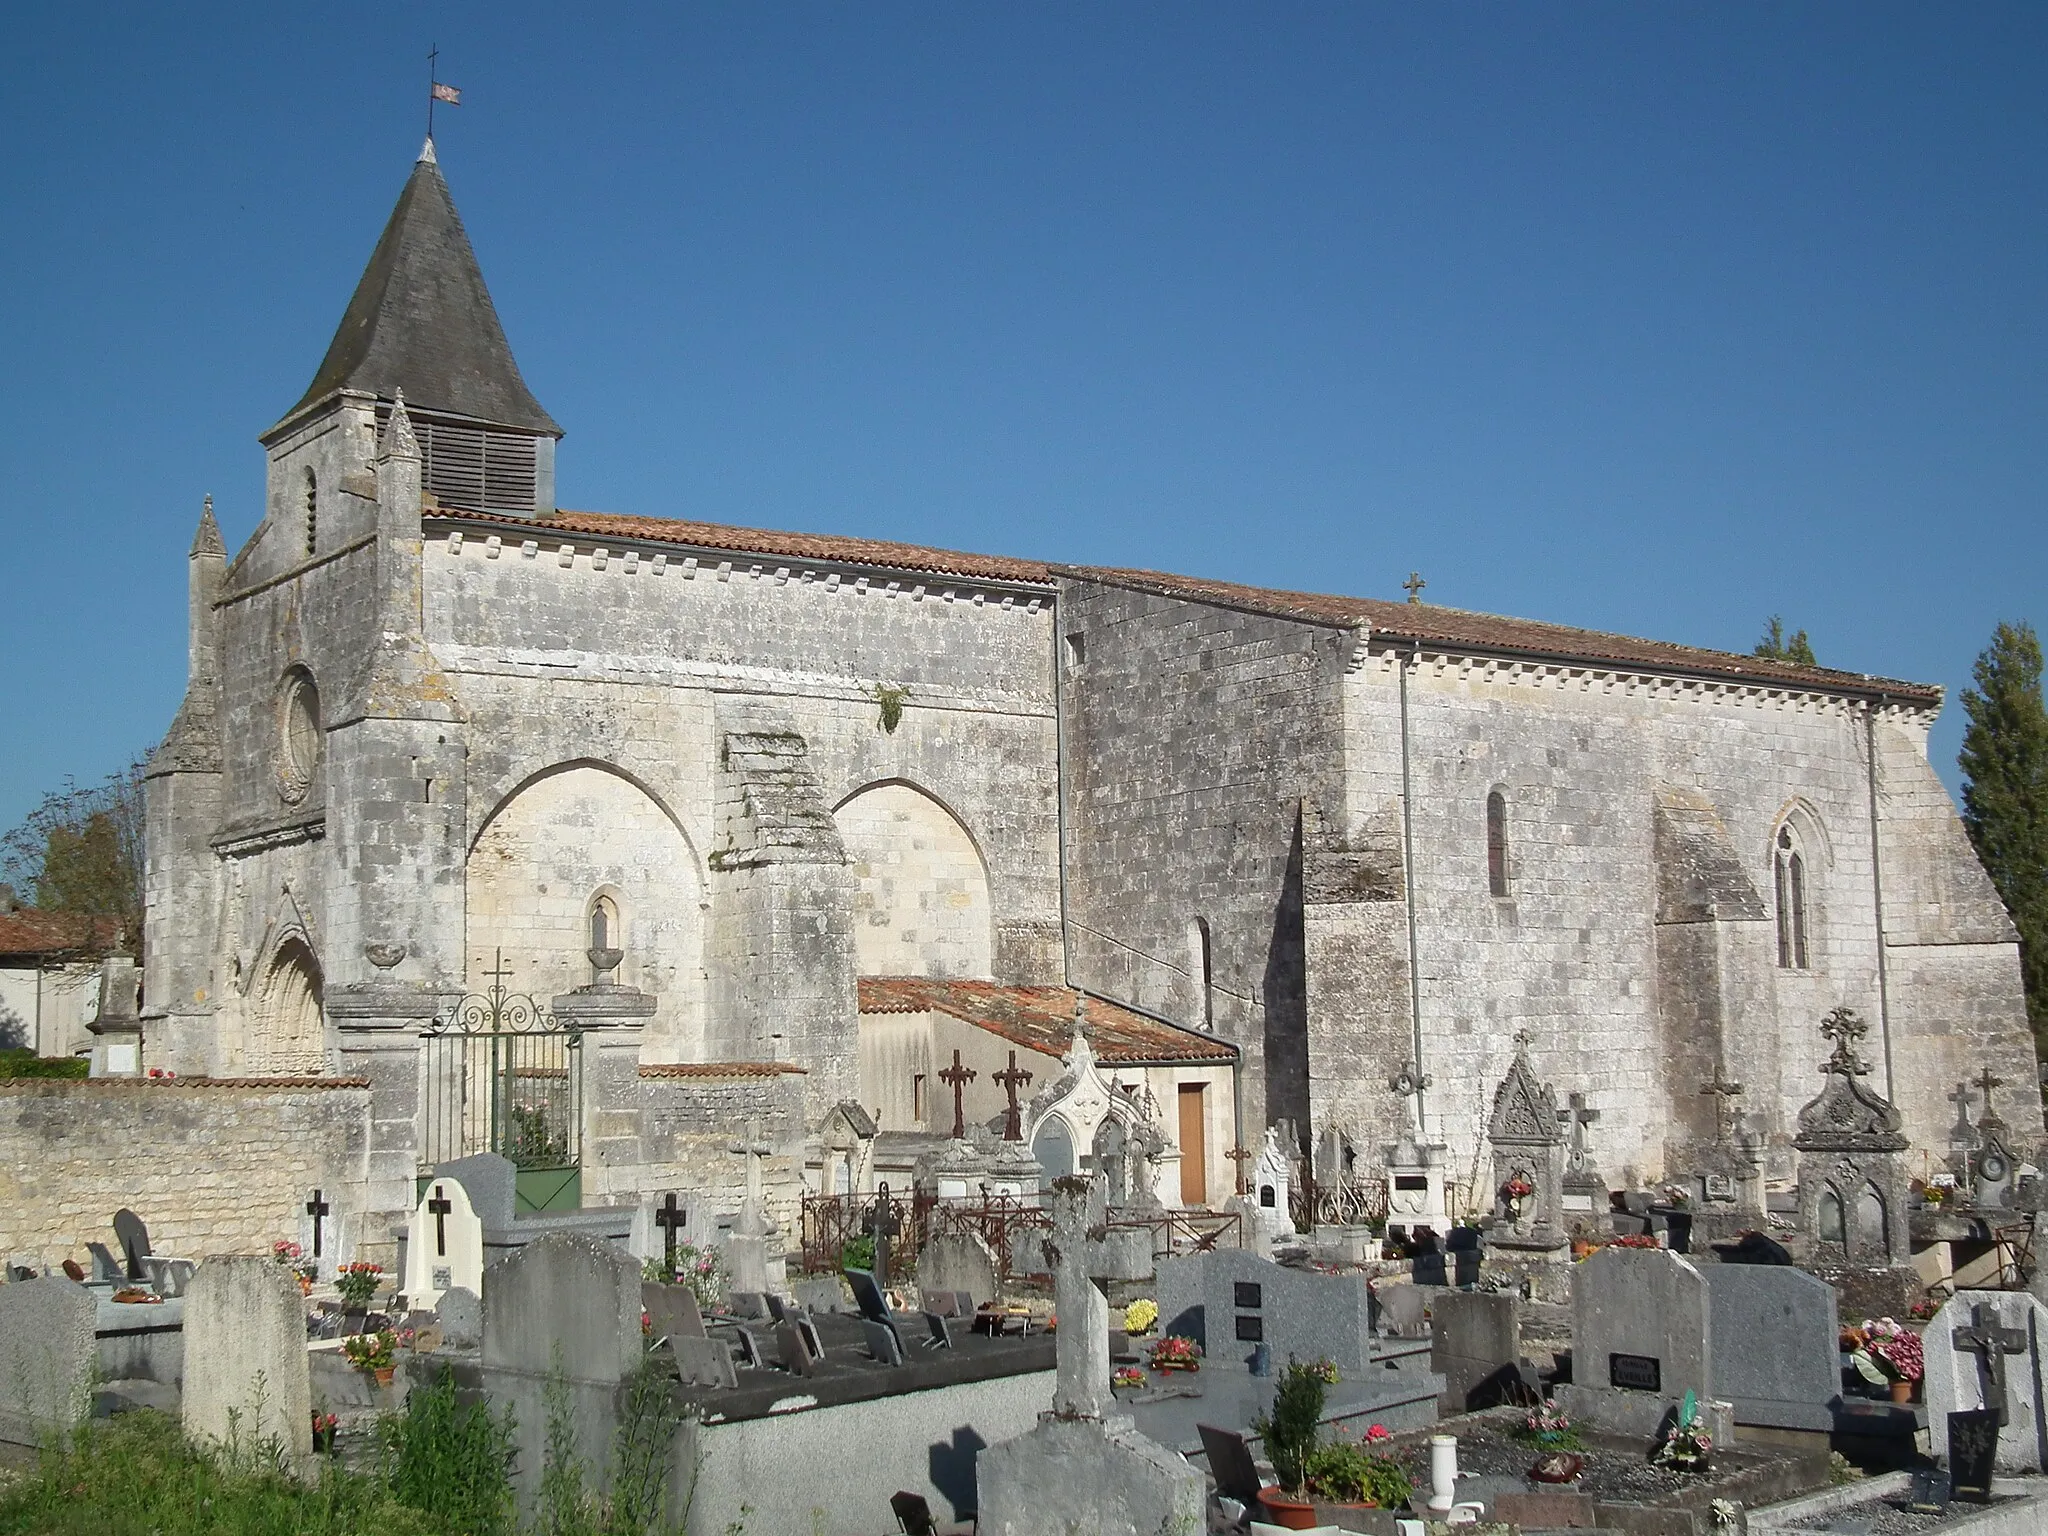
<point>1990,1341</point>
<point>318,1209</point>
<point>1845,1027</point>
<point>1010,1081</point>
<point>958,1077</point>
<point>1413,586</point>
<point>1725,1094</point>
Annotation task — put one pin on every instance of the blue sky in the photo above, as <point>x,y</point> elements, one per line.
<point>1658,319</point>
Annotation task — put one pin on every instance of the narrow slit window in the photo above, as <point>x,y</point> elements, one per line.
<point>1790,883</point>
<point>1497,844</point>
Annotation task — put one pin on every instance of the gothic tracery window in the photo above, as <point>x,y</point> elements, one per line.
<point>1789,862</point>
<point>1497,844</point>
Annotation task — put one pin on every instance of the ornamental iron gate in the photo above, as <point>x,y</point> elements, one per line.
<point>501,1074</point>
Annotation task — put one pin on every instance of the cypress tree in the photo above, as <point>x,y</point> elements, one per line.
<point>2005,795</point>
<point>1779,647</point>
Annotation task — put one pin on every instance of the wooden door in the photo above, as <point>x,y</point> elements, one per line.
<point>1194,1144</point>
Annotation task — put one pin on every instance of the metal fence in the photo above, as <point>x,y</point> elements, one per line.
<point>1351,1203</point>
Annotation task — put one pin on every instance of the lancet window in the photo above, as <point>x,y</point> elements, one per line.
<point>1789,861</point>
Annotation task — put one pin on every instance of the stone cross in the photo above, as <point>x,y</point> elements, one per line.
<point>1962,1098</point>
<point>1991,1343</point>
<point>1845,1027</point>
<point>1010,1081</point>
<point>318,1209</point>
<point>1987,1082</point>
<point>1725,1094</point>
<point>1575,1120</point>
<point>753,1220</point>
<point>438,1208</point>
<point>670,1217</point>
<point>1410,1083</point>
<point>958,1077</point>
<point>1413,586</point>
<point>1082,1343</point>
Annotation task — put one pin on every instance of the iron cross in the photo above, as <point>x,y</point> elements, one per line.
<point>1725,1094</point>
<point>318,1209</point>
<point>438,1208</point>
<point>1576,1119</point>
<point>1010,1081</point>
<point>959,1077</point>
<point>1990,1342</point>
<point>670,1217</point>
<point>1240,1156</point>
<point>1413,586</point>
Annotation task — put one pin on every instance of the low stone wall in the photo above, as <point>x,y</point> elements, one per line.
<point>212,1165</point>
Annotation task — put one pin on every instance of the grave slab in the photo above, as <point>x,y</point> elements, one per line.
<point>1476,1345</point>
<point>1232,1300</point>
<point>1641,1339</point>
<point>47,1357</point>
<point>246,1378</point>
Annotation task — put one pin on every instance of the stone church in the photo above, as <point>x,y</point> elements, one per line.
<point>849,816</point>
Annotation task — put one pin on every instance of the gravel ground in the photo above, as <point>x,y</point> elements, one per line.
<point>1485,1449</point>
<point>1889,1517</point>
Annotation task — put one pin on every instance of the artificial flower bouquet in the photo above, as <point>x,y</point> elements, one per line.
<point>1175,1353</point>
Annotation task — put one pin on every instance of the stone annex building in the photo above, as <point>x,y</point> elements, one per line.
<point>847,807</point>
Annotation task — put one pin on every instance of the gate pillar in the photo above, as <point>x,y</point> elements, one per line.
<point>377,1025</point>
<point>612,1022</point>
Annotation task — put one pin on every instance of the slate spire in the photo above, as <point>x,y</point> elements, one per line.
<point>422,320</point>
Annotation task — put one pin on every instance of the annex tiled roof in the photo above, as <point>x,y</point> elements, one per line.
<point>719,1069</point>
<point>1492,634</point>
<point>880,553</point>
<point>32,932</point>
<point>1042,1019</point>
<point>101,1084</point>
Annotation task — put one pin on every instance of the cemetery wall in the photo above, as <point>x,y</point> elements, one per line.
<point>45,1010</point>
<point>921,1441</point>
<point>691,1123</point>
<point>211,1167</point>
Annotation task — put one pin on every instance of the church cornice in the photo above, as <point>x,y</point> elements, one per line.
<point>254,837</point>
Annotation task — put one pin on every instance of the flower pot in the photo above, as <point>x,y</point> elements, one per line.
<point>1285,1511</point>
<point>382,1374</point>
<point>1557,1467</point>
<point>1902,1391</point>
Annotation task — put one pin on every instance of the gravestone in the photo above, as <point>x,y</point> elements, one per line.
<point>1973,1439</point>
<point>1402,1311</point>
<point>247,1384</point>
<point>672,1311</point>
<point>1776,1345</point>
<point>444,1247</point>
<point>1984,1350</point>
<point>47,1358</point>
<point>958,1261</point>
<point>460,1313</point>
<point>492,1184</point>
<point>1233,1301</point>
<point>133,1235</point>
<point>703,1362</point>
<point>1641,1339</point>
<point>1476,1346</point>
<point>1852,1184</point>
<point>564,1308</point>
<point>1079,1470</point>
<point>1528,1149</point>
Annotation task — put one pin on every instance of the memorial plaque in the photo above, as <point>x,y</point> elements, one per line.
<point>1250,1329</point>
<point>1972,1451</point>
<point>1929,1493</point>
<point>1250,1295</point>
<point>1636,1373</point>
<point>1415,1182</point>
<point>1720,1186</point>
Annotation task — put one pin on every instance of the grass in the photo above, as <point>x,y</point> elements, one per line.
<point>26,1063</point>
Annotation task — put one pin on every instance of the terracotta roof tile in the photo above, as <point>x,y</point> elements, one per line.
<point>297,1084</point>
<point>1042,1019</point>
<point>1492,634</point>
<point>879,553</point>
<point>720,1069</point>
<point>32,932</point>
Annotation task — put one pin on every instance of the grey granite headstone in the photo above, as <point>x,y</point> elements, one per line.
<point>1776,1345</point>
<point>563,1303</point>
<point>47,1355</point>
<point>958,1261</point>
<point>1476,1345</point>
<point>1233,1301</point>
<point>461,1315</point>
<point>704,1362</point>
<point>247,1383</point>
<point>1958,1378</point>
<point>492,1184</point>
<point>1641,1339</point>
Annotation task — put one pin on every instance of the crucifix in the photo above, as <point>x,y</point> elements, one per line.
<point>1410,1083</point>
<point>1413,586</point>
<point>1725,1094</point>
<point>1081,1389</point>
<point>1575,1120</point>
<point>1987,1082</point>
<point>958,1077</point>
<point>883,1224</point>
<point>670,1217</point>
<point>753,1149</point>
<point>1010,1081</point>
<point>1990,1342</point>
<point>1240,1156</point>
<point>318,1209</point>
<point>438,1208</point>
<point>1845,1027</point>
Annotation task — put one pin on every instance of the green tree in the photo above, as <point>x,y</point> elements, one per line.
<point>2005,795</point>
<point>1777,647</point>
<point>80,850</point>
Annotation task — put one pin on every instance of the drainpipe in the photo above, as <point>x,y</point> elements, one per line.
<point>1059,726</point>
<point>1408,884</point>
<point>1884,1011</point>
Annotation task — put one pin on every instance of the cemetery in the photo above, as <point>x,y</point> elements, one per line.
<point>1067,1352</point>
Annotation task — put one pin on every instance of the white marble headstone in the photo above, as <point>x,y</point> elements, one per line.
<point>1956,1378</point>
<point>444,1248</point>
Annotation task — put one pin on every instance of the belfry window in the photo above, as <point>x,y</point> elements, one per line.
<point>312,514</point>
<point>1790,865</point>
<point>1497,844</point>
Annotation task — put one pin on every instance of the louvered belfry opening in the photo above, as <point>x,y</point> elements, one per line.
<point>470,468</point>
